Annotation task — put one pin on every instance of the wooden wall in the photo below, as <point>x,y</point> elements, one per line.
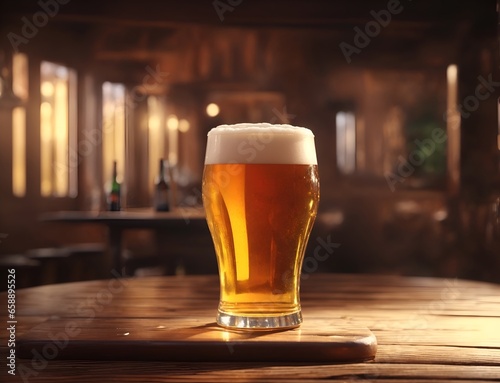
<point>279,74</point>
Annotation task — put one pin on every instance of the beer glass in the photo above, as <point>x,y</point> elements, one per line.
<point>260,193</point>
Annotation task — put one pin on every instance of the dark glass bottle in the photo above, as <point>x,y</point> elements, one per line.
<point>162,190</point>
<point>114,197</point>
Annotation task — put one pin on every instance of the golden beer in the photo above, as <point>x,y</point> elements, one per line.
<point>260,216</point>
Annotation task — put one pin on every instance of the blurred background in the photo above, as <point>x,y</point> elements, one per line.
<point>402,97</point>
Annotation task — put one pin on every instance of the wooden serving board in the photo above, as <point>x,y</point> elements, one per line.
<point>197,339</point>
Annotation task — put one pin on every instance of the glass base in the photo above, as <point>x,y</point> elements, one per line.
<point>242,322</point>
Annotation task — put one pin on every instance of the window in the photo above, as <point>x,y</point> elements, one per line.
<point>165,131</point>
<point>113,131</point>
<point>58,130</point>
<point>346,142</point>
<point>20,89</point>
<point>173,125</point>
<point>156,137</point>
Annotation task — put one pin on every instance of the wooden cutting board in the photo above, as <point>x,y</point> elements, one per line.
<point>200,339</point>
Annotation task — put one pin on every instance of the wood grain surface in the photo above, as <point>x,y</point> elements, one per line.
<point>197,339</point>
<point>427,329</point>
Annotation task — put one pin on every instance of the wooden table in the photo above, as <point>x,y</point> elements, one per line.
<point>117,222</point>
<point>428,330</point>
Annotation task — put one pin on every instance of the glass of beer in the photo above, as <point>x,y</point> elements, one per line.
<point>261,193</point>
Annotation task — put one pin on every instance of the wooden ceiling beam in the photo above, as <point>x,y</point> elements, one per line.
<point>256,13</point>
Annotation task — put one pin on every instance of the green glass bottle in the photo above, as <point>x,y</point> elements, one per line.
<point>114,197</point>
<point>162,190</point>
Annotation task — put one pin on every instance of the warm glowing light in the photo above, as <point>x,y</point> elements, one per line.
<point>184,125</point>
<point>154,122</point>
<point>20,75</point>
<point>213,109</point>
<point>46,148</point>
<point>453,130</point>
<point>47,89</point>
<point>20,89</point>
<point>173,139</point>
<point>226,336</point>
<point>113,131</point>
<point>61,137</point>
<point>156,136</point>
<point>46,118</point>
<point>346,142</point>
<point>19,152</point>
<point>452,72</point>
<point>120,138</point>
<point>452,96</point>
<point>440,215</point>
<point>173,146</point>
<point>172,122</point>
<point>57,130</point>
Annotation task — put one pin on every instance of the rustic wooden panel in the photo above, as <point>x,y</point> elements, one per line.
<point>427,329</point>
<point>196,339</point>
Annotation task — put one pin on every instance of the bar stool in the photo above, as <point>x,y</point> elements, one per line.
<point>54,264</point>
<point>86,261</point>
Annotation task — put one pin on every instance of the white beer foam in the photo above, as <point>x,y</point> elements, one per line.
<point>261,143</point>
